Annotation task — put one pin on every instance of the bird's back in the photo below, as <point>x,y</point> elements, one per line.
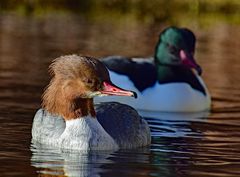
<point>123,124</point>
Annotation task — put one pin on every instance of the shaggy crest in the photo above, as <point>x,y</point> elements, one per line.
<point>72,77</point>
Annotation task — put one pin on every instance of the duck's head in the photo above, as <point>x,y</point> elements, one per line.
<point>176,48</point>
<point>75,81</point>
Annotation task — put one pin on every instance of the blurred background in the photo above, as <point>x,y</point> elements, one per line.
<point>34,32</point>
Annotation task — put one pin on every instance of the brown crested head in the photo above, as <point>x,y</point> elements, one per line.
<point>75,81</point>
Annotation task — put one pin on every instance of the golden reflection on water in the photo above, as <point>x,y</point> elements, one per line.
<point>36,41</point>
<point>29,43</point>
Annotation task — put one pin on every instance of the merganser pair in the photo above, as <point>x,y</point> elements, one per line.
<point>170,82</point>
<point>68,118</point>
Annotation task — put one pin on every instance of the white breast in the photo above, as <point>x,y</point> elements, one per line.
<point>82,134</point>
<point>171,97</point>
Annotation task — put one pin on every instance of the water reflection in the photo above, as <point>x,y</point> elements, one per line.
<point>57,162</point>
<point>207,145</point>
<point>164,124</point>
<point>170,131</point>
<point>192,145</point>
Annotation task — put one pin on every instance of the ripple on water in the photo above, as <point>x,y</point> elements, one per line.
<point>201,144</point>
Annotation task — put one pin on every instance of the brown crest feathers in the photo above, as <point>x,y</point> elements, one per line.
<point>63,94</point>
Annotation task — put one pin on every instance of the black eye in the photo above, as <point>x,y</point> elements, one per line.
<point>88,81</point>
<point>173,49</point>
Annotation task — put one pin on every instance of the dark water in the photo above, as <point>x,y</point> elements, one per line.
<point>201,144</point>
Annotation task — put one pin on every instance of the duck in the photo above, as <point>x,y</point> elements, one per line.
<point>168,82</point>
<point>68,119</point>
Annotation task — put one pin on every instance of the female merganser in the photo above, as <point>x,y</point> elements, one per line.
<point>68,118</point>
<point>170,83</point>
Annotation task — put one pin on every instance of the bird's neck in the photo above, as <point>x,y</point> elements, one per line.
<point>69,107</point>
<point>79,108</point>
<point>178,74</point>
<point>171,73</point>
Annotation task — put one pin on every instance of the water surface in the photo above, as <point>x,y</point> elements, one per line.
<point>201,144</point>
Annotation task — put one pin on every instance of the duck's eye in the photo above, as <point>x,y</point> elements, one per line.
<point>173,49</point>
<point>88,81</point>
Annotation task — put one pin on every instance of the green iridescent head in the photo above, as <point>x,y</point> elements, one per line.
<point>176,48</point>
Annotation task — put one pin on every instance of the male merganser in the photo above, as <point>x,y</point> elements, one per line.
<point>68,118</point>
<point>170,82</point>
